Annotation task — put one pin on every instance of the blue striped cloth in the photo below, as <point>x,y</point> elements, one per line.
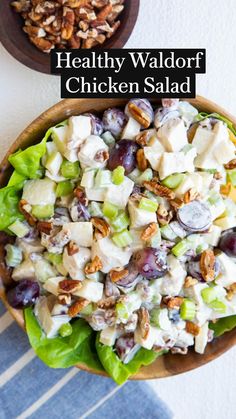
<point>29,389</point>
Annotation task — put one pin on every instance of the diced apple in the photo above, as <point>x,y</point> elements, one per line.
<point>153,153</point>
<point>119,194</point>
<point>90,290</point>
<point>228,270</point>
<point>88,151</point>
<point>177,162</point>
<point>79,128</point>
<point>140,218</point>
<point>131,129</point>
<point>53,163</point>
<point>201,339</point>
<point>80,232</point>
<point>110,255</point>
<point>75,264</point>
<point>173,135</point>
<point>108,336</point>
<point>40,192</point>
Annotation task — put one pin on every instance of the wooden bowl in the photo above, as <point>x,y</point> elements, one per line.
<point>17,43</point>
<point>166,365</point>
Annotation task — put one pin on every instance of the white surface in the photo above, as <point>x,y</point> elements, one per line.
<point>208,392</point>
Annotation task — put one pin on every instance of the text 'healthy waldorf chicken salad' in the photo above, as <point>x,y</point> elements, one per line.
<point>119,236</point>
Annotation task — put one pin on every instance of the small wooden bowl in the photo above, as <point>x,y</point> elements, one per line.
<point>166,365</point>
<point>17,43</point>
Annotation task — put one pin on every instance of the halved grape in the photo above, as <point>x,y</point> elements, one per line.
<point>151,263</point>
<point>141,110</point>
<point>114,120</point>
<point>129,279</point>
<point>228,243</point>
<point>123,154</point>
<point>124,345</point>
<point>96,123</point>
<point>24,294</point>
<point>193,268</point>
<point>163,115</point>
<point>195,216</point>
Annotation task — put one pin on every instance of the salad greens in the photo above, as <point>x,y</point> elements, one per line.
<point>9,212</point>
<point>203,115</point>
<point>119,371</point>
<point>223,325</point>
<point>65,352</point>
<point>28,161</point>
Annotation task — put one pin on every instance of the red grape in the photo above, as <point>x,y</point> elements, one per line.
<point>123,154</point>
<point>194,216</point>
<point>228,243</point>
<point>151,263</point>
<point>24,294</point>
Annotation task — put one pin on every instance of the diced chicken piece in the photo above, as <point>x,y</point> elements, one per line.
<point>217,208</point>
<point>110,255</point>
<point>226,223</point>
<point>212,238</point>
<point>43,269</point>
<point>207,179</point>
<point>228,271</point>
<point>59,309</point>
<point>203,314</point>
<point>79,128</point>
<point>89,152</point>
<point>75,264</point>
<point>201,339</point>
<point>40,192</point>
<point>151,339</point>
<point>172,283</point>
<point>131,129</point>
<point>29,247</point>
<point>173,135</point>
<point>88,177</point>
<point>55,243</point>
<point>96,194</point>
<point>51,285</point>
<point>24,271</point>
<point>177,162</point>
<point>50,324</point>
<point>163,320</point>
<point>153,153</point>
<point>184,339</point>
<point>140,218</point>
<point>224,150</point>
<point>80,232</point>
<point>90,290</point>
<point>119,194</point>
<point>194,293</point>
<point>108,336</point>
<point>137,242</point>
<point>202,140</point>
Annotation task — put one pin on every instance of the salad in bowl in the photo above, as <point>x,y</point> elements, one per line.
<point>119,236</point>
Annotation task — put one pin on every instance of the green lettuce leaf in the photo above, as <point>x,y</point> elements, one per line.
<point>114,366</point>
<point>203,115</point>
<point>9,199</point>
<point>223,325</point>
<point>65,352</point>
<point>16,178</point>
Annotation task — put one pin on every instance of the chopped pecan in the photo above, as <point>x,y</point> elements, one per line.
<point>207,265</point>
<point>67,26</point>
<point>104,12</point>
<point>192,328</point>
<point>176,203</point>
<point>24,208</point>
<point>69,286</point>
<point>230,165</point>
<point>72,248</point>
<point>80,194</point>
<point>77,307</point>
<point>231,291</point>
<point>141,160</point>
<point>149,231</point>
<point>218,176</point>
<point>64,299</point>
<point>45,227</point>
<point>107,303</point>
<point>179,351</point>
<point>142,138</point>
<point>42,44</point>
<point>191,195</point>
<point>158,189</point>
<point>163,215</point>
<point>88,44</point>
<point>117,274</point>
<point>102,228</point>
<point>144,322</point>
<point>139,115</point>
<point>173,302</point>
<point>189,282</point>
<point>94,266</point>
<point>101,156</point>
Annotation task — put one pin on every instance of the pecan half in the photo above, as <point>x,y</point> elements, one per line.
<point>94,266</point>
<point>158,189</point>
<point>104,13</point>
<point>69,286</point>
<point>191,195</point>
<point>42,43</point>
<point>192,328</point>
<point>67,25</point>
<point>144,322</point>
<point>189,282</point>
<point>207,265</point>
<point>173,302</point>
<point>179,351</point>
<point>142,138</point>
<point>176,203</point>
<point>117,274</point>
<point>72,248</point>
<point>163,215</point>
<point>77,307</point>
<point>45,227</point>
<point>231,291</point>
<point>230,165</point>
<point>139,115</point>
<point>149,231</point>
<point>23,208</point>
<point>107,303</point>
<point>102,228</point>
<point>141,160</point>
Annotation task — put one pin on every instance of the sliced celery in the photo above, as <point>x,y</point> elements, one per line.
<point>42,211</point>
<point>167,233</point>
<point>148,205</point>
<point>70,170</point>
<point>65,330</point>
<point>122,312</point>
<point>154,317</point>
<point>218,306</point>
<point>231,176</point>
<point>180,248</point>
<point>19,229</point>
<point>109,210</point>
<point>87,310</point>
<point>95,209</point>
<point>145,176</point>
<point>208,295</point>
<point>54,258</point>
<point>64,188</point>
<point>187,310</point>
<point>13,255</point>
<point>122,239</point>
<point>118,175</point>
<point>121,222</point>
<point>173,181</point>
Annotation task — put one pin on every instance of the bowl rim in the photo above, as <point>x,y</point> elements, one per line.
<point>121,38</point>
<point>168,364</point>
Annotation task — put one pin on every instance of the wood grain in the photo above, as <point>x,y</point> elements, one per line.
<point>18,45</point>
<point>166,365</point>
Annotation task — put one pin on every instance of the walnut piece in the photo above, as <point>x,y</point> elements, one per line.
<point>189,282</point>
